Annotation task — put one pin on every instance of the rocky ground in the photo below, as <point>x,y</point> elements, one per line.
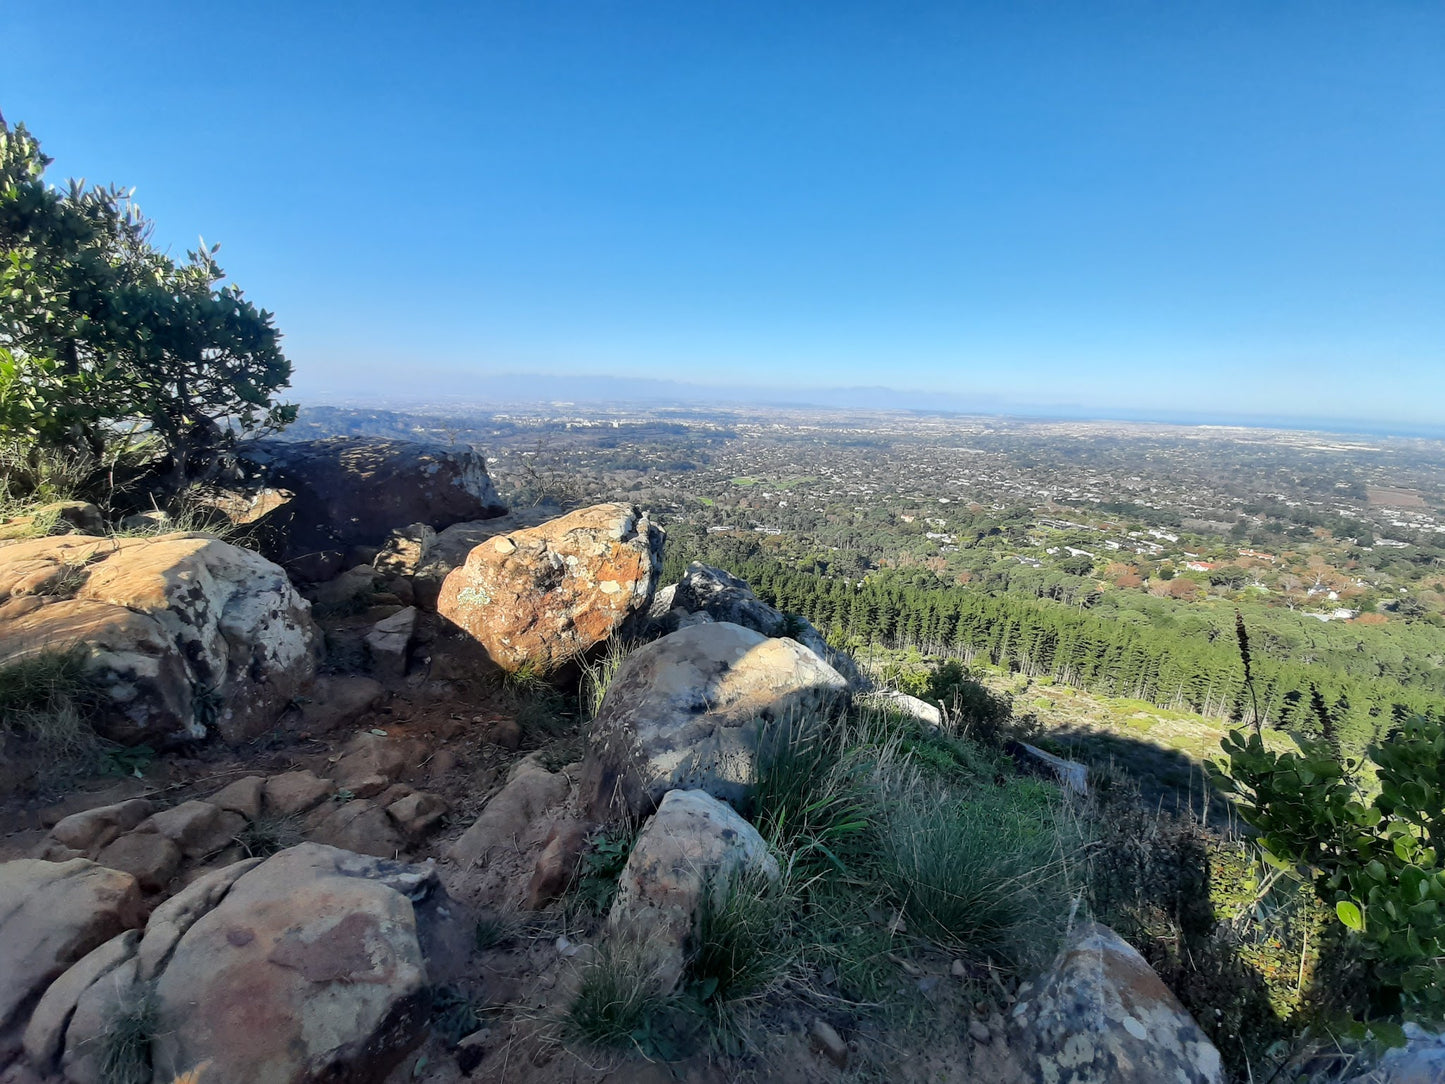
<point>349,831</point>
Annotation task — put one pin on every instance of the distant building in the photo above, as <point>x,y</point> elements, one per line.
<point>1201,566</point>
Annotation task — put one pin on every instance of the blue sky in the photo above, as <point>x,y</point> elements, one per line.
<point>1217,207</point>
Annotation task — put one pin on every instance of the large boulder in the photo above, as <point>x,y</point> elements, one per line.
<point>687,711</point>
<point>724,597</point>
<point>541,596</point>
<point>51,915</point>
<point>305,967</point>
<point>1102,1016</point>
<point>340,492</point>
<point>694,844</point>
<point>183,633</point>
<point>450,547</point>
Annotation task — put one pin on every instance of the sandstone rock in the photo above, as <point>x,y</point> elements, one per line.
<point>506,733</point>
<point>685,712</point>
<point>52,914</point>
<point>1101,1015</point>
<point>155,521</point>
<point>197,828</point>
<point>243,797</point>
<point>45,1032</point>
<point>406,550</point>
<point>103,1003</point>
<point>419,814</point>
<point>829,1043</point>
<point>370,763</point>
<point>295,792</point>
<point>184,633</point>
<point>178,914</point>
<point>557,864</point>
<point>309,969</point>
<point>337,700</point>
<point>350,491</point>
<point>531,790</point>
<point>388,642</point>
<point>541,596</point>
<point>92,829</point>
<point>452,545</point>
<point>903,704</point>
<point>360,825</point>
<point>1073,775</point>
<point>693,843</point>
<point>150,858</point>
<point>724,597</point>
<point>351,592</point>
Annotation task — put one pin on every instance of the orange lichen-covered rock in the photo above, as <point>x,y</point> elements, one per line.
<point>541,596</point>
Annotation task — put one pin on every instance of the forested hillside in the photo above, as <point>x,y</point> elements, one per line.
<point>1168,653</point>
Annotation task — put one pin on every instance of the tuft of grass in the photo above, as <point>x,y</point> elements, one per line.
<point>125,1046</point>
<point>48,698</point>
<point>618,1001</point>
<point>813,798</point>
<point>986,871</point>
<point>597,675</point>
<point>492,931</point>
<point>270,834</point>
<point>740,947</point>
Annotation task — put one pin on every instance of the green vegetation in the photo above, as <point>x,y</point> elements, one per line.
<point>617,1002</point>
<point>1154,650</point>
<point>606,854</point>
<point>984,869</point>
<point>110,347</point>
<point>741,945</point>
<point>47,698</point>
<point>125,1045</point>
<point>1375,860</point>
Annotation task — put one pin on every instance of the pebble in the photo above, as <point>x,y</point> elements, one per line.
<point>830,1043</point>
<point>979,1030</point>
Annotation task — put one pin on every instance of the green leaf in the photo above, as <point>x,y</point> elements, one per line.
<point>1349,913</point>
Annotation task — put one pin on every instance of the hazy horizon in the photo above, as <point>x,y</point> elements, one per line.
<point>516,390</point>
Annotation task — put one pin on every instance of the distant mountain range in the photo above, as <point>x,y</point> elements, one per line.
<point>496,391</point>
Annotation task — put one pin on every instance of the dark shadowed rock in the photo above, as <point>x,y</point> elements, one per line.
<point>685,712</point>
<point>353,491</point>
<point>1102,1016</point>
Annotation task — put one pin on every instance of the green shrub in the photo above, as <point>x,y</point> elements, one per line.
<point>602,863</point>
<point>1376,861</point>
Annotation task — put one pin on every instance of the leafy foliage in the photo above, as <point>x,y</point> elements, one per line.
<point>101,330</point>
<point>1375,861</point>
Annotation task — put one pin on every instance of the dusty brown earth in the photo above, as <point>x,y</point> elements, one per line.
<point>462,724</point>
